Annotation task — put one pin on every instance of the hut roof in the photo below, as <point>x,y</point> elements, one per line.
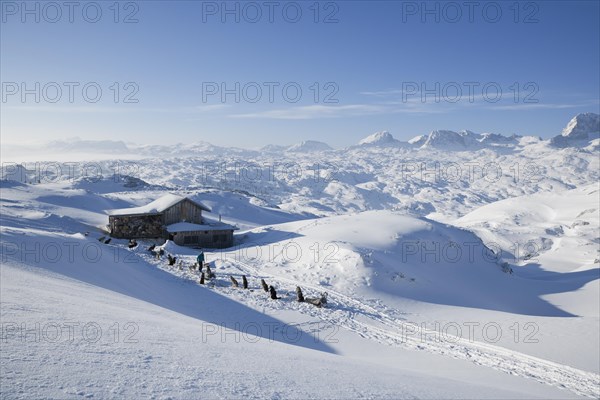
<point>208,226</point>
<point>157,206</point>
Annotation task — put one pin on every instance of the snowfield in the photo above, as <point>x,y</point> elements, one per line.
<point>456,265</point>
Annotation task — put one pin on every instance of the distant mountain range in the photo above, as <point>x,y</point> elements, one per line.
<point>583,131</point>
<point>307,146</point>
<point>579,132</point>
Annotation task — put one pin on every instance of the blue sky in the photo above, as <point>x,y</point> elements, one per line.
<point>538,62</point>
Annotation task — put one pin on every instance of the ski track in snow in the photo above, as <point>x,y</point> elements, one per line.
<point>343,310</point>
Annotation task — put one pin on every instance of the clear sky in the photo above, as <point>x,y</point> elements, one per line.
<point>252,73</point>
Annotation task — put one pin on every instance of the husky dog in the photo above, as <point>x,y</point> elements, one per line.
<point>244,282</point>
<point>264,285</point>
<point>234,282</point>
<point>209,273</point>
<point>202,278</point>
<point>273,293</point>
<point>299,295</point>
<point>317,301</point>
<point>151,248</point>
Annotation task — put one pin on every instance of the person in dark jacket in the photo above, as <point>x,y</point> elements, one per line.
<point>200,260</point>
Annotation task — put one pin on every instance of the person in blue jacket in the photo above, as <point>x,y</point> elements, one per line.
<point>200,259</point>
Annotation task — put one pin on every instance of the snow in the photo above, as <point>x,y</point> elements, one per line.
<point>579,131</point>
<point>309,146</point>
<point>581,125</point>
<point>417,266</point>
<point>16,173</point>
<point>160,352</point>
<point>187,227</point>
<point>379,138</point>
<point>157,206</point>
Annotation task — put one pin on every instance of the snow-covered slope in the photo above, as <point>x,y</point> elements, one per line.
<point>548,236</point>
<point>150,349</point>
<point>477,267</point>
<point>115,321</point>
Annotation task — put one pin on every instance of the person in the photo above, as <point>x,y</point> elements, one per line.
<point>200,260</point>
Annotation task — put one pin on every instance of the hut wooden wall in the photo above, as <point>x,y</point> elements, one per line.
<point>183,211</point>
<point>208,239</point>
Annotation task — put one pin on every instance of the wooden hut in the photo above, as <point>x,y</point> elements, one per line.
<point>171,217</point>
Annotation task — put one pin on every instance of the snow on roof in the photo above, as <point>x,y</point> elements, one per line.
<point>157,206</point>
<point>209,226</point>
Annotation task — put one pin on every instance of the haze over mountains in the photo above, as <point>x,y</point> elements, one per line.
<point>441,175</point>
<point>582,131</point>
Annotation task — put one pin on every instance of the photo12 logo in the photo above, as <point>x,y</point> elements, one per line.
<point>253,332</point>
<point>452,12</point>
<point>470,331</point>
<point>68,332</point>
<point>269,92</point>
<point>53,172</point>
<point>74,252</point>
<point>253,12</point>
<point>69,92</point>
<point>53,12</point>
<point>471,171</point>
<point>454,92</point>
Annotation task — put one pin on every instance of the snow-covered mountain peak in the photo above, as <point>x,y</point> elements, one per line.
<point>383,137</point>
<point>581,125</point>
<point>418,140</point>
<point>273,148</point>
<point>579,131</point>
<point>309,146</point>
<point>448,140</point>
